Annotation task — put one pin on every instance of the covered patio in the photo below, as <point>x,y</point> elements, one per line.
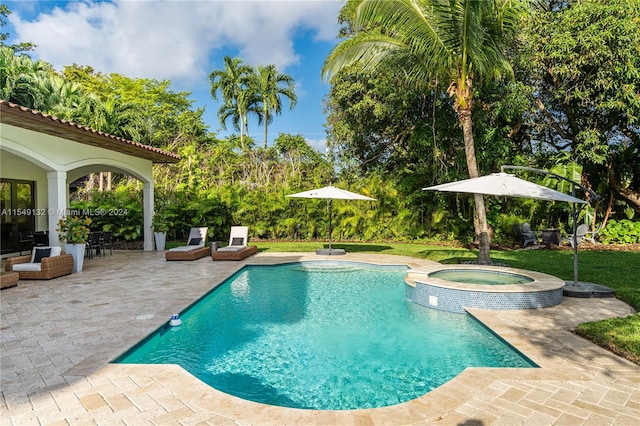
<point>42,155</point>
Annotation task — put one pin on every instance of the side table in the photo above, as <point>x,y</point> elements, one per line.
<point>551,236</point>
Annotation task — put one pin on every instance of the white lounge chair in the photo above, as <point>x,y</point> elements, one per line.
<point>238,247</point>
<point>195,248</point>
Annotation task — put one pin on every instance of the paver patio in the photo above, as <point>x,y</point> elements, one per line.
<point>58,338</point>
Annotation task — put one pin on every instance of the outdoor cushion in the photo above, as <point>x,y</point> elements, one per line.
<point>237,241</point>
<point>27,267</point>
<point>55,251</point>
<point>40,253</point>
<point>186,248</point>
<point>195,241</point>
<point>232,248</point>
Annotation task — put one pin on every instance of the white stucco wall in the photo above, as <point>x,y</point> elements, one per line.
<point>45,159</point>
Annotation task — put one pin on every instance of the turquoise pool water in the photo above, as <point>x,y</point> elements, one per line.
<point>322,335</point>
<point>480,276</point>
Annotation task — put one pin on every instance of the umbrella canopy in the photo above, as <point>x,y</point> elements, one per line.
<point>330,193</point>
<point>506,185</point>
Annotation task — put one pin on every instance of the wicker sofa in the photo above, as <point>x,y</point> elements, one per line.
<point>50,267</point>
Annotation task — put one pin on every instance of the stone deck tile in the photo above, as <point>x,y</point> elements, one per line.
<point>58,338</point>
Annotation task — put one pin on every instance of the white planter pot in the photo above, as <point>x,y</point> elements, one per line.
<point>77,251</point>
<point>161,238</point>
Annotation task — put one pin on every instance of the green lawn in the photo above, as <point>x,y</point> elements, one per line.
<point>619,270</point>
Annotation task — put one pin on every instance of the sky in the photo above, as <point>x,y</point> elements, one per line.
<point>184,40</point>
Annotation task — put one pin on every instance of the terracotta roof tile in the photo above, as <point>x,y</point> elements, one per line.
<point>20,116</point>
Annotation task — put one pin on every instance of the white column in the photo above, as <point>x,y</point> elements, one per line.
<point>57,192</point>
<point>147,203</point>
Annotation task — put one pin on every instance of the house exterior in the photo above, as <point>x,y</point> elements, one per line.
<point>40,155</point>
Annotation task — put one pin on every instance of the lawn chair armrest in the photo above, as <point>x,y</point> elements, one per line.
<point>8,267</point>
<point>57,262</point>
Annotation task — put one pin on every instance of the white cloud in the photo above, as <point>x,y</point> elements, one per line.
<point>319,145</point>
<point>175,39</point>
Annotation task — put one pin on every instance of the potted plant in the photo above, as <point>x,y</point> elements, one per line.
<point>160,226</point>
<point>74,232</point>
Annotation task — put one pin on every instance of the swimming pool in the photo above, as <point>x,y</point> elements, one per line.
<point>322,335</point>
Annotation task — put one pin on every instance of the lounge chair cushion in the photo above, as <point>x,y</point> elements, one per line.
<point>55,251</point>
<point>195,242</point>
<point>27,267</point>
<point>232,248</point>
<point>186,248</point>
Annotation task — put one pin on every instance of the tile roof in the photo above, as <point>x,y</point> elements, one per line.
<point>27,118</point>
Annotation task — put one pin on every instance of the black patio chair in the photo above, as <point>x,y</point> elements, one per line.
<point>41,238</point>
<point>106,242</point>
<point>26,241</point>
<point>93,244</point>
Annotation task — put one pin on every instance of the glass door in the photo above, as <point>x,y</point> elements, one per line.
<point>17,208</point>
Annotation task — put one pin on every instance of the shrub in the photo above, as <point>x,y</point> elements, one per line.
<point>620,232</point>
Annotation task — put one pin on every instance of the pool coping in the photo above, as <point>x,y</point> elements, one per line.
<point>577,382</point>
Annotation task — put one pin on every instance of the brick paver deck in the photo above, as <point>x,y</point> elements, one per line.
<point>58,338</point>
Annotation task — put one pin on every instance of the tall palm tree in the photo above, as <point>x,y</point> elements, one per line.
<point>247,102</point>
<point>457,41</point>
<point>232,81</point>
<point>272,85</point>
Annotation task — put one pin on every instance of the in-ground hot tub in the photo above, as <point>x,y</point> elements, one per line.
<point>456,287</point>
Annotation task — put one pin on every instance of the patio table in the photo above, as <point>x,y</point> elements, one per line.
<point>551,236</point>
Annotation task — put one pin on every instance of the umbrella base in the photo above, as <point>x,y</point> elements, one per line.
<point>585,290</point>
<point>330,252</point>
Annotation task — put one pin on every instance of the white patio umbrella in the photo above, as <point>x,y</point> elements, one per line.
<point>505,185</point>
<point>330,193</point>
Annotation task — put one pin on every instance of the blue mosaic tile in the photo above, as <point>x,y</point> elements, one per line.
<point>456,300</point>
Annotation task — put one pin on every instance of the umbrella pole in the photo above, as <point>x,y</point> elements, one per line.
<point>330,211</point>
<point>575,246</point>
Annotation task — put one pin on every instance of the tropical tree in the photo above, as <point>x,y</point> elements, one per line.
<point>271,86</point>
<point>582,60</point>
<point>459,42</point>
<point>232,82</point>
<point>20,77</point>
<point>58,96</point>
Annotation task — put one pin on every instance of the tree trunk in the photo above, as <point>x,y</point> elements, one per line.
<point>484,242</point>
<point>631,196</point>
<point>266,120</point>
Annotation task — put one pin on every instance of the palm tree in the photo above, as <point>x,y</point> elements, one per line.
<point>20,78</point>
<point>459,42</point>
<point>232,81</point>
<point>59,97</point>
<point>272,85</point>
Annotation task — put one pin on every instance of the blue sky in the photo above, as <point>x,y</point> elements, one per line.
<point>183,41</point>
